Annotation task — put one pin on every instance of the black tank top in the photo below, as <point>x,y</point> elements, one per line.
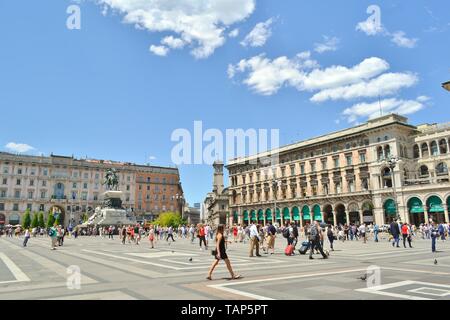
<point>222,245</point>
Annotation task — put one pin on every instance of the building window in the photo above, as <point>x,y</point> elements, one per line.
<point>148,188</point>
<point>75,174</point>
<point>31,183</point>
<point>313,166</point>
<point>15,207</point>
<point>324,164</point>
<point>43,194</point>
<point>95,197</point>
<point>44,183</point>
<point>18,182</point>
<point>45,172</point>
<point>349,160</point>
<point>338,187</point>
<point>85,185</point>
<point>74,185</point>
<point>29,206</point>
<point>362,157</point>
<point>302,168</point>
<point>17,194</point>
<point>336,162</point>
<point>41,207</point>
<point>74,195</point>
<point>5,181</point>
<point>351,186</point>
<point>128,178</point>
<point>128,187</point>
<point>3,194</point>
<point>5,170</point>
<point>84,196</point>
<point>86,175</point>
<point>19,171</point>
<point>2,207</point>
<point>30,194</point>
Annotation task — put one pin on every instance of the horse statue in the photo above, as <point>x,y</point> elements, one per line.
<point>111,180</point>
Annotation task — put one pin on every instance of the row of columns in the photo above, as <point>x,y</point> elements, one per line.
<point>311,220</point>
<point>429,147</point>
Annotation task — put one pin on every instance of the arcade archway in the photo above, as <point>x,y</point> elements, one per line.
<point>341,217</point>
<point>416,211</point>
<point>328,214</point>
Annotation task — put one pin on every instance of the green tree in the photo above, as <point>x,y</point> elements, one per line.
<point>85,217</point>
<point>50,220</point>
<point>168,219</point>
<point>27,219</point>
<point>41,221</point>
<point>35,221</point>
<point>58,220</point>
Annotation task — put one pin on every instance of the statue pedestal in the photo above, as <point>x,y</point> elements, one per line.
<point>111,212</point>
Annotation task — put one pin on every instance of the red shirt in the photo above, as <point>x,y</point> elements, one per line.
<point>404,229</point>
<point>201,232</point>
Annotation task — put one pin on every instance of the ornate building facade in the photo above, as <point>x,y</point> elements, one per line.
<point>343,177</point>
<point>69,186</point>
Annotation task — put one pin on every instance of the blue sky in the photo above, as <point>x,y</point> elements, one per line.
<point>101,92</point>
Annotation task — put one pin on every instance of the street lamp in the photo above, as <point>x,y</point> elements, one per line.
<point>446,85</point>
<point>391,162</point>
<point>275,184</point>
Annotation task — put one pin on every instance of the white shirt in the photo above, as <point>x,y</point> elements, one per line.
<point>254,231</point>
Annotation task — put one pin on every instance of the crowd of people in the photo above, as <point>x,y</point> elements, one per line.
<point>260,238</point>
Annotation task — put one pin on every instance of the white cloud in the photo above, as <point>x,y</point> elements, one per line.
<point>385,84</point>
<point>18,147</point>
<point>174,43</point>
<point>234,33</point>
<point>267,76</point>
<point>259,35</point>
<point>329,44</point>
<point>367,79</point>
<point>423,98</point>
<point>336,76</point>
<point>372,110</point>
<point>159,50</point>
<point>200,24</point>
<point>373,27</point>
<point>400,39</point>
<point>152,158</point>
<point>370,27</point>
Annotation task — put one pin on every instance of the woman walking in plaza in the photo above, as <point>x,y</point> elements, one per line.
<point>220,254</point>
<point>151,236</point>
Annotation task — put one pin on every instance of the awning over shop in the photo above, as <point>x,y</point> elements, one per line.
<point>260,215</point>
<point>389,207</point>
<point>317,213</point>
<point>245,215</point>
<point>434,205</point>
<point>253,215</point>
<point>296,214</point>
<point>269,214</point>
<point>306,213</point>
<point>415,206</point>
<point>286,215</point>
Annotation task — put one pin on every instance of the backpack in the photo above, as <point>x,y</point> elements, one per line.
<point>286,233</point>
<point>314,233</point>
<point>51,232</point>
<point>330,232</point>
